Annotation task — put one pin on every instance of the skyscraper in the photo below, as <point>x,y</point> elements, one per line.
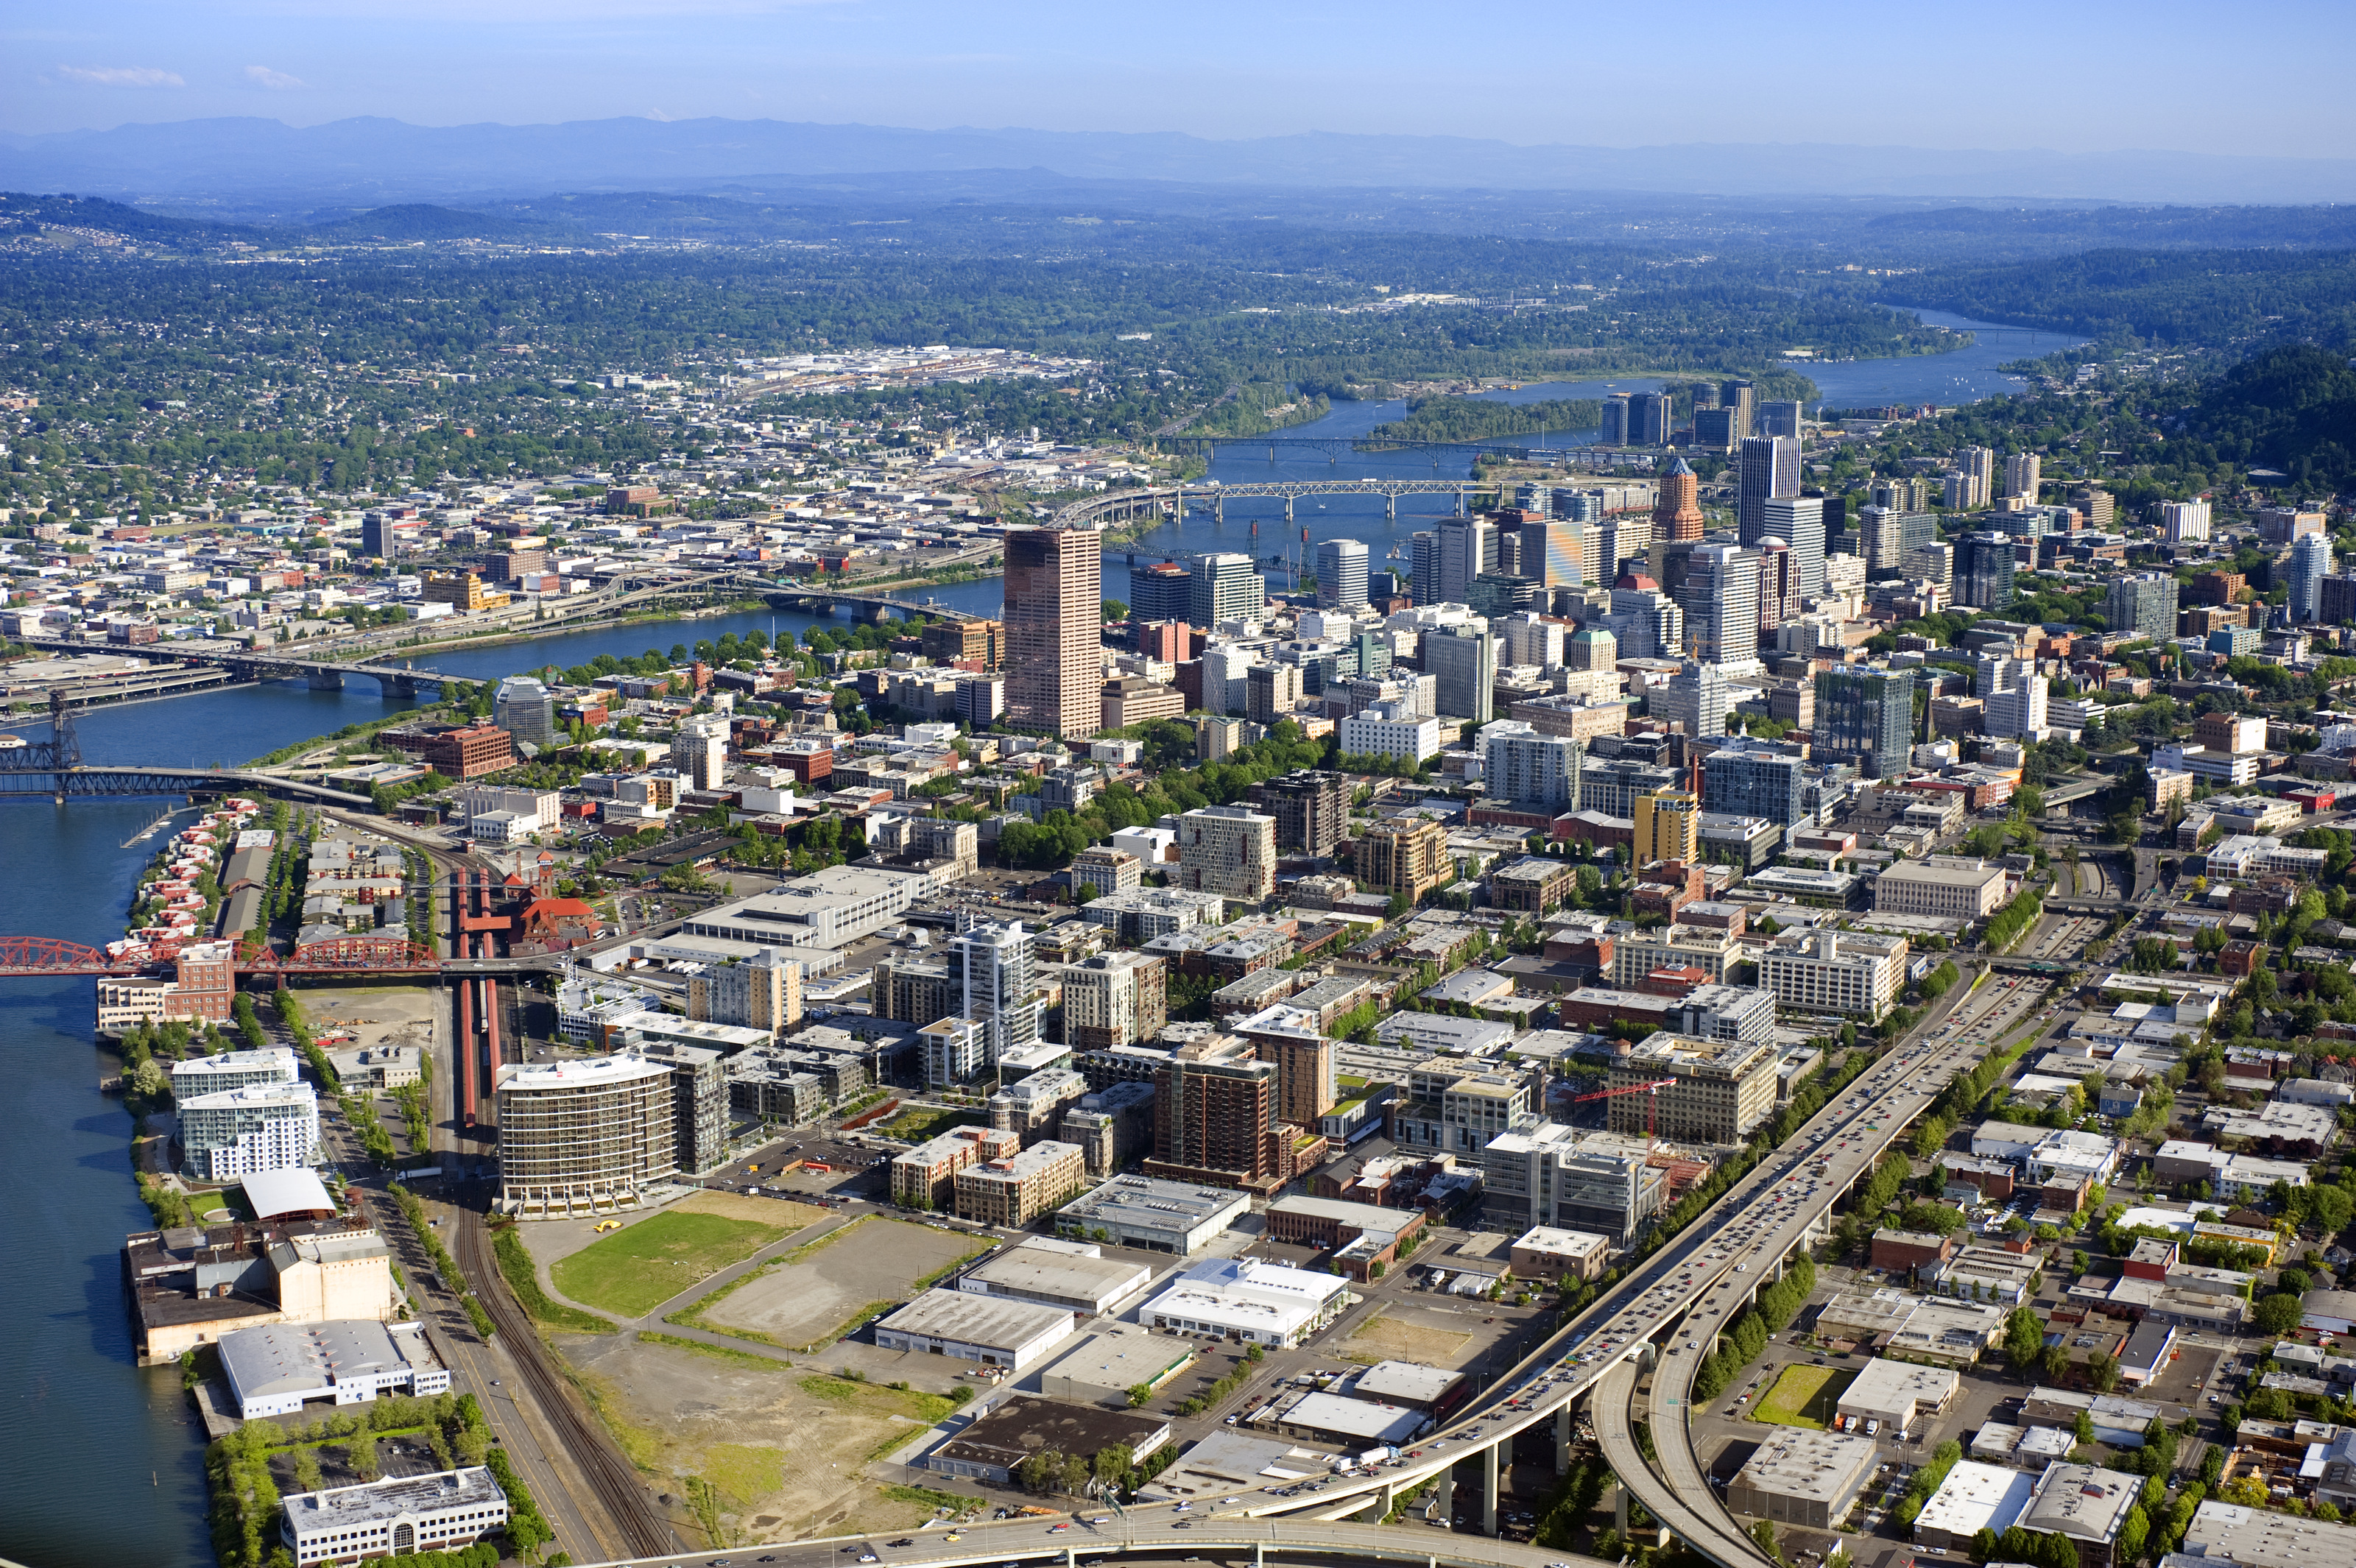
<point>1799,521</point>
<point>1342,575</point>
<point>1650,418</point>
<point>1977,464</point>
<point>1694,700</point>
<point>1721,600</point>
<point>992,965</point>
<point>2012,698</point>
<point>1865,718</point>
<point>1163,591</point>
<point>1225,588</point>
<point>377,536</point>
<point>1423,567</point>
<point>1741,396</point>
<point>1779,599</point>
<point>1554,553</point>
<point>2022,478</point>
<point>1984,567</point>
<point>699,750</point>
<point>1677,514</point>
<point>1781,417</point>
<point>1054,630</point>
<point>1644,622</point>
<point>523,708</point>
<point>1468,547</point>
<point>2310,563</point>
<point>1741,783</point>
<point>2143,604</point>
<point>1615,421</point>
<point>1463,660</point>
<point>1769,469</point>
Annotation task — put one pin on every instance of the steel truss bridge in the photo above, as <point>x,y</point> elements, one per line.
<point>40,957</point>
<point>54,768</point>
<point>1335,447</point>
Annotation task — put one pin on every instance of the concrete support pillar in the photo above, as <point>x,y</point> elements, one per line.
<point>1390,504</point>
<point>1489,1489</point>
<point>1447,1495</point>
<point>326,681</point>
<point>1259,1553</point>
<point>1562,1441</point>
<point>1620,1505</point>
<point>1288,509</point>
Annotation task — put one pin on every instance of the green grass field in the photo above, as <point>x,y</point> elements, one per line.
<point>1803,1396</point>
<point>635,1270</point>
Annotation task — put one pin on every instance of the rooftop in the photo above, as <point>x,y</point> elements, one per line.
<point>969,1319</point>
<point>390,1499</point>
<point>1820,1467</point>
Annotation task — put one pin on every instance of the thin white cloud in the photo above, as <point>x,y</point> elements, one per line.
<point>276,80</point>
<point>120,76</point>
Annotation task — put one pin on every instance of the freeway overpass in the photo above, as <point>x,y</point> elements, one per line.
<point>1689,1292</point>
<point>1140,1534</point>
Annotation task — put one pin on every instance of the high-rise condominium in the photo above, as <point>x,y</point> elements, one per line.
<point>2310,563</point>
<point>2021,477</point>
<point>1742,397</point>
<point>1226,587</point>
<point>1054,630</point>
<point>1984,568</point>
<point>1342,575</point>
<point>1650,418</point>
<point>1865,718</point>
<point>1769,470</point>
<point>1721,600</point>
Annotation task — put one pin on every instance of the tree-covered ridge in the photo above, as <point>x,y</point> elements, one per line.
<point>1487,419</point>
<point>2291,409</point>
<point>2174,298</point>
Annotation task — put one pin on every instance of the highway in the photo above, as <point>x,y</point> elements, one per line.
<point>1154,1533</point>
<point>1711,1270</point>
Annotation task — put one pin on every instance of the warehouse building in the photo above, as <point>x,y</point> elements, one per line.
<point>1899,1394</point>
<point>1249,1303</point>
<point>2086,1504</point>
<point>994,1331</point>
<point>276,1369</point>
<point>1020,1425</point>
<point>1435,1390</point>
<point>2266,1538</point>
<point>1175,1217</point>
<point>1074,1275</point>
<point>1105,1365</point>
<point>1807,1479</point>
<point>1972,1498</point>
<point>1320,1417</point>
<point>407,1514</point>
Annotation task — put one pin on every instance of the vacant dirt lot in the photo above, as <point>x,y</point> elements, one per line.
<point>785,1450</point>
<point>1394,1335</point>
<point>854,1269</point>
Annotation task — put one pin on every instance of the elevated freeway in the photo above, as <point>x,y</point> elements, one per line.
<point>1673,1307</point>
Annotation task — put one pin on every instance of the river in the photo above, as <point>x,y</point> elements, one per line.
<point>99,1461</point>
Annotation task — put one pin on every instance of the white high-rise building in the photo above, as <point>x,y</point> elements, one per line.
<point>243,1132</point>
<point>1468,547</point>
<point>2022,476</point>
<point>1531,639</point>
<point>1342,575</point>
<point>1390,730</point>
<point>1799,521</point>
<point>700,751</point>
<point>1519,763</point>
<point>2310,563</point>
<point>1721,599</point>
<point>1694,701</point>
<point>992,963</point>
<point>2013,694</point>
<point>2184,521</point>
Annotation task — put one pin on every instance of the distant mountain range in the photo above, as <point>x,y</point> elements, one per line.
<point>369,163</point>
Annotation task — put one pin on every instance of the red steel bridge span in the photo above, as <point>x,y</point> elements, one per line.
<point>38,957</point>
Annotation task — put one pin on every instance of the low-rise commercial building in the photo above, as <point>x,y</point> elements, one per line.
<point>1017,1427</point>
<point>1249,1303</point>
<point>398,1516</point>
<point>1801,1477</point>
<point>1545,1253</point>
<point>995,1331</point>
<point>1106,1365</point>
<point>1944,885</point>
<point>1972,1498</point>
<point>275,1370</point>
<point>1899,1394</point>
<point>1175,1217</point>
<point>1074,1275</point>
<point>2085,1504</point>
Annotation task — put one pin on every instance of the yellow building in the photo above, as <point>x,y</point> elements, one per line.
<point>1668,827</point>
<point>1408,858</point>
<point>461,590</point>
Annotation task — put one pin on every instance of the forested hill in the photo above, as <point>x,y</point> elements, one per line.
<point>2175,298</point>
<point>2292,409</point>
<point>1487,419</point>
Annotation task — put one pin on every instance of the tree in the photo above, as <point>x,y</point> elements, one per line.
<point>2024,1338</point>
<point>2276,1315</point>
<point>2102,1372</point>
<point>1139,1396</point>
<point>1763,1532</point>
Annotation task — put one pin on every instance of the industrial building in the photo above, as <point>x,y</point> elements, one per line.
<point>1433,1389</point>
<point>1803,1478</point>
<point>275,1369</point>
<point>1249,1303</point>
<point>583,1136</point>
<point>1020,1425</point>
<point>1174,1217</point>
<point>996,1331</point>
<point>1106,1365</point>
<point>1074,1275</point>
<point>1342,1422</point>
<point>396,1516</point>
<point>1899,1394</point>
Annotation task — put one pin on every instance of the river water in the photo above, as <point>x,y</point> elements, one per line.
<point>102,1462</point>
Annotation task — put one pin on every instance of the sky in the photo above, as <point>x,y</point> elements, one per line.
<point>2264,77</point>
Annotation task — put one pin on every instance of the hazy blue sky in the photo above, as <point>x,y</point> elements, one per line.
<point>2263,77</point>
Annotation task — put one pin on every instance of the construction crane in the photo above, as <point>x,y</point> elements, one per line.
<point>1650,1091</point>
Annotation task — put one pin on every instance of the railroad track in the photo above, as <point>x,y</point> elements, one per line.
<point>613,1478</point>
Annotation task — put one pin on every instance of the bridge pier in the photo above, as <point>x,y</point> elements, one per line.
<point>1288,511</point>
<point>1218,511</point>
<point>1446,1495</point>
<point>1562,1441</point>
<point>326,681</point>
<point>1489,1491</point>
<point>1390,506</point>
